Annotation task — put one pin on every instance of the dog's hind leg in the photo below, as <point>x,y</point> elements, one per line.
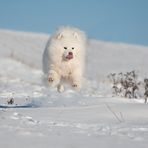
<point>60,88</point>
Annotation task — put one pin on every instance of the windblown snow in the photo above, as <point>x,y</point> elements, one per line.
<point>42,117</point>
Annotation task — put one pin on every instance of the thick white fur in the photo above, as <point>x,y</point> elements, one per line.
<point>58,67</point>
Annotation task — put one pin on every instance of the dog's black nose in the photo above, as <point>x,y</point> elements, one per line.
<point>70,53</point>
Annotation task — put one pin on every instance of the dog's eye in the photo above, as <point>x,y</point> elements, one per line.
<point>65,47</point>
<point>72,48</point>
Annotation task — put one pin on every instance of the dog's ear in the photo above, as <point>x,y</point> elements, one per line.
<point>59,36</point>
<point>75,34</point>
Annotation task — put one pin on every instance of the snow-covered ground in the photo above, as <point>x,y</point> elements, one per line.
<point>91,118</point>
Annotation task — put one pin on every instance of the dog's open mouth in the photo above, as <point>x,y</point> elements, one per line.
<point>69,57</point>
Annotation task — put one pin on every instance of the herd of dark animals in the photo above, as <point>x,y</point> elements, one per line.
<point>127,85</point>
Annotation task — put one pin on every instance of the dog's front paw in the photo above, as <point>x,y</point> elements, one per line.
<point>50,79</point>
<point>76,86</point>
<point>53,78</point>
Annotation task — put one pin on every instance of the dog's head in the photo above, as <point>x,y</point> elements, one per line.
<point>68,44</point>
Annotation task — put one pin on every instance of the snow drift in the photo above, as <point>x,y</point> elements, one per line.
<point>90,118</point>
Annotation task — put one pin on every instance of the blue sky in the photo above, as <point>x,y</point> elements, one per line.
<point>110,20</point>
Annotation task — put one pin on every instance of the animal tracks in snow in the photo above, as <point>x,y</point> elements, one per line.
<point>123,130</point>
<point>133,132</point>
<point>24,119</point>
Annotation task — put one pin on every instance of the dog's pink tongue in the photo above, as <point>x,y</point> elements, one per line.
<point>69,57</point>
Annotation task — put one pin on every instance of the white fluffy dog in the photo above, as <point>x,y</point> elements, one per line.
<point>66,54</point>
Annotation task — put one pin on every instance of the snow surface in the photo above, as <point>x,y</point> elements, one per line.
<point>90,118</point>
